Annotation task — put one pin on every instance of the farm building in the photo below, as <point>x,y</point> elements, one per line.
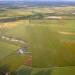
<point>22,50</point>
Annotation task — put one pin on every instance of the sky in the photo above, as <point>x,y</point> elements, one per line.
<point>37,0</point>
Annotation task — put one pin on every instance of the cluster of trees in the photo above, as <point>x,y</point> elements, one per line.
<point>4,70</point>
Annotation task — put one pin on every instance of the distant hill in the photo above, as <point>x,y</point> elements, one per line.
<point>35,3</point>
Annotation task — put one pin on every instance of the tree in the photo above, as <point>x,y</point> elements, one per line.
<point>4,70</point>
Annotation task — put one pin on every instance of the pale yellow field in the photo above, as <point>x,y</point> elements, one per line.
<point>13,24</point>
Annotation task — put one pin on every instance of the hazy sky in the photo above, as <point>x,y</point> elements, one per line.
<point>37,0</point>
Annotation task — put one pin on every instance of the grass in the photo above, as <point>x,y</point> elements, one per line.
<point>69,70</point>
<point>53,52</point>
<point>49,47</point>
<point>64,71</point>
<point>46,43</point>
<point>13,61</point>
<point>6,49</point>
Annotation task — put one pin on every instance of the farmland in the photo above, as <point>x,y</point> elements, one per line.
<point>47,39</point>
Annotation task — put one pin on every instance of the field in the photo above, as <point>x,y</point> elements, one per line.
<point>50,43</point>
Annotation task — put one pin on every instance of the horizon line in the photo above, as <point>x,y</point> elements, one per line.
<point>39,0</point>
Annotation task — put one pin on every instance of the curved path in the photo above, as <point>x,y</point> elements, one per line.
<point>13,39</point>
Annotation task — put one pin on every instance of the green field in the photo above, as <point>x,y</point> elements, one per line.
<point>52,43</point>
<point>49,46</point>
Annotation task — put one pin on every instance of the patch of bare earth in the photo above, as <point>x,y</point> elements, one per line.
<point>70,46</point>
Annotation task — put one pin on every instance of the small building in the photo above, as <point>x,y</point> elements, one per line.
<point>22,50</point>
